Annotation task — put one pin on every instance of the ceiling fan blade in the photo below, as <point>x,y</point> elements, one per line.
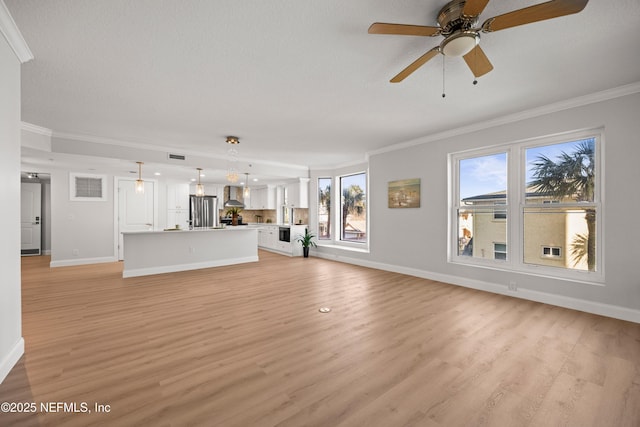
<point>538,12</point>
<point>403,29</point>
<point>478,61</point>
<point>474,7</point>
<point>415,65</point>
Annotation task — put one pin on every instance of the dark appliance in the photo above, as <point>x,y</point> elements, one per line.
<point>284,234</point>
<point>203,211</point>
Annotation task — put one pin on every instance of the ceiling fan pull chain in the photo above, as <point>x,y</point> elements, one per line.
<point>443,94</point>
<point>475,65</point>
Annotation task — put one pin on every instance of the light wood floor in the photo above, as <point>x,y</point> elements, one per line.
<point>246,346</point>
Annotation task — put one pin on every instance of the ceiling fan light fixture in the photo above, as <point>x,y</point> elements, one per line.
<point>459,44</point>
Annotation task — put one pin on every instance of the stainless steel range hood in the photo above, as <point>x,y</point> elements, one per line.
<point>233,197</point>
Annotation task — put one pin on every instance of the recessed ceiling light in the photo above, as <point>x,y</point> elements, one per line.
<point>193,180</point>
<point>157,173</point>
<point>255,179</point>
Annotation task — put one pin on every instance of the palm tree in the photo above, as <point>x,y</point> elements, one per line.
<point>325,200</point>
<point>352,203</point>
<point>572,175</point>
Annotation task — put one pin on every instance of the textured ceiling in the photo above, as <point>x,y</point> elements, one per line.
<point>299,82</point>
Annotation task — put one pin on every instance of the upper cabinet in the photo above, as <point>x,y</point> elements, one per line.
<point>178,196</point>
<point>262,198</point>
<point>297,194</point>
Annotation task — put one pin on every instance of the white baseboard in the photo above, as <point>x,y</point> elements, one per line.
<point>275,251</point>
<point>9,361</point>
<point>82,261</point>
<point>46,252</point>
<point>609,310</point>
<point>135,272</point>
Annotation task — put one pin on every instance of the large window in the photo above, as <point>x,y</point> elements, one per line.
<point>560,205</point>
<point>324,208</point>
<point>531,206</point>
<point>482,215</point>
<point>353,202</point>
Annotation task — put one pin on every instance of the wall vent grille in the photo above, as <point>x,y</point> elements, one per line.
<point>87,187</point>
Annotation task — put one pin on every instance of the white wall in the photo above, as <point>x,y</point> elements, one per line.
<point>81,232</point>
<point>84,232</point>
<point>11,342</point>
<point>415,240</point>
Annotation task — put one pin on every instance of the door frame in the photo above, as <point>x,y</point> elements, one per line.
<point>116,209</point>
<point>39,216</point>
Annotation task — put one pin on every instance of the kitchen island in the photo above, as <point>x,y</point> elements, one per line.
<point>156,252</point>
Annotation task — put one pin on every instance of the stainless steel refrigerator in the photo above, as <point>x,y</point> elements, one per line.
<point>203,211</point>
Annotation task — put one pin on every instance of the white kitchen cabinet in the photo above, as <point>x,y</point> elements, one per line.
<point>269,197</point>
<point>178,217</point>
<point>178,196</point>
<point>251,200</point>
<point>261,198</point>
<point>178,205</point>
<point>268,238</point>
<point>298,194</point>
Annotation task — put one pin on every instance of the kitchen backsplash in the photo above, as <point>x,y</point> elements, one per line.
<point>301,216</point>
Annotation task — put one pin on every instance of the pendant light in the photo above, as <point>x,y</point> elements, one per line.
<point>199,186</point>
<point>139,181</point>
<point>246,192</point>
<point>232,170</point>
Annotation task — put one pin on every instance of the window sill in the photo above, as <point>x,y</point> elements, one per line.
<point>343,247</point>
<point>594,279</point>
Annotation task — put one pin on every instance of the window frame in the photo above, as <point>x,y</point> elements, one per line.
<point>516,205</point>
<point>338,236</point>
<point>331,198</point>
<point>456,206</point>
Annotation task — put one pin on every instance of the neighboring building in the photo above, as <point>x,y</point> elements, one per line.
<point>550,237</point>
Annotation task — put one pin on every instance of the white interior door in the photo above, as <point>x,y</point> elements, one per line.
<point>30,218</point>
<point>135,211</point>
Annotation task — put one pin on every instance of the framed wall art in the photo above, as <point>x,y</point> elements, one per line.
<point>404,193</point>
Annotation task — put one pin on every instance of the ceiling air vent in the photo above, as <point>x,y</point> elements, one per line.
<point>176,156</point>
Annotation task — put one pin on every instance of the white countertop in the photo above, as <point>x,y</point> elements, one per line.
<point>195,230</point>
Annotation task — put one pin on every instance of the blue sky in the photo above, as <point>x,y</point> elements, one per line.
<point>359,179</point>
<point>481,175</point>
<point>488,174</point>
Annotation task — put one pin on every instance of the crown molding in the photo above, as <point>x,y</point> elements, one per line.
<point>352,163</point>
<point>580,101</point>
<point>12,34</point>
